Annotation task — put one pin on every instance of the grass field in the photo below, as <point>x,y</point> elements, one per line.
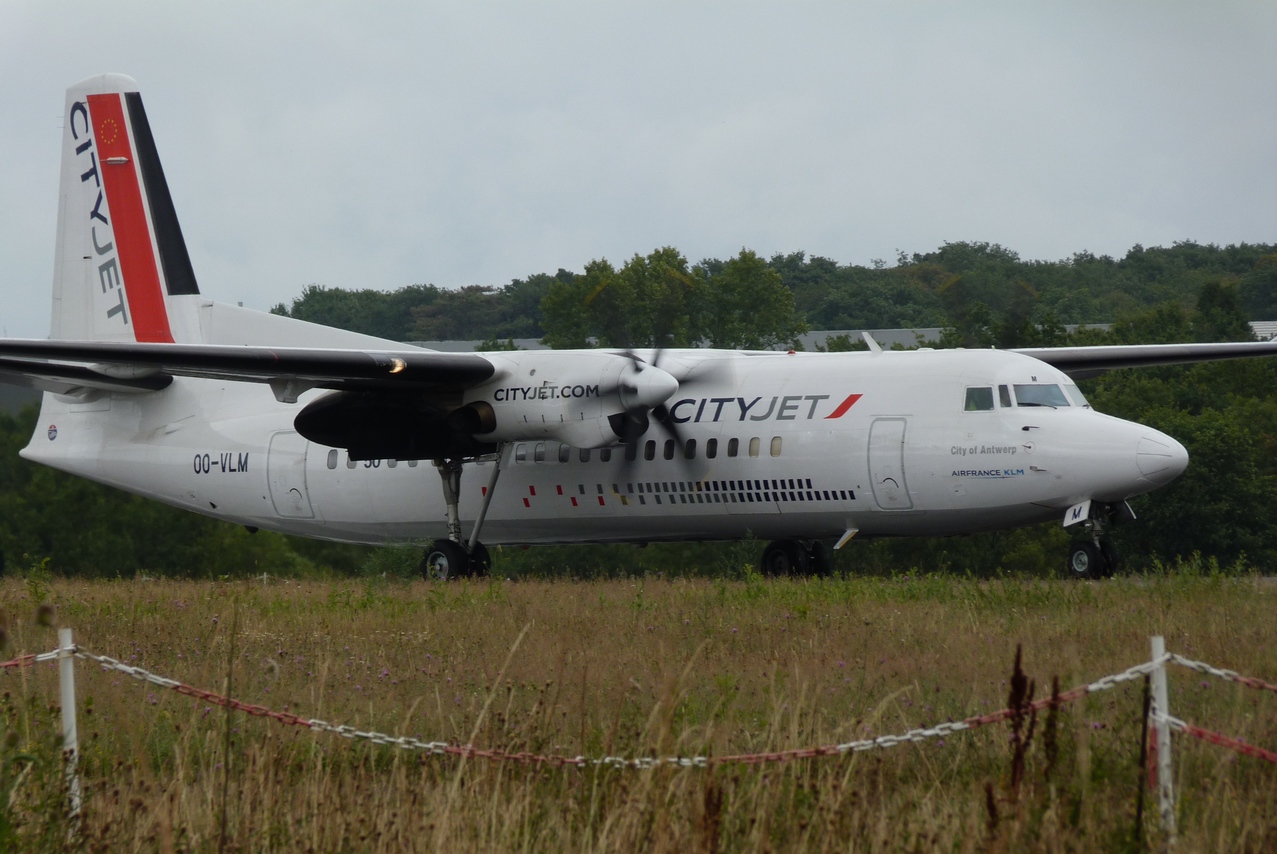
<point>634,667</point>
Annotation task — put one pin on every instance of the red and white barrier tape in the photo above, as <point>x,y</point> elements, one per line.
<point>470,751</point>
<point>885,741</point>
<point>1221,740</point>
<point>1230,675</point>
<point>29,660</point>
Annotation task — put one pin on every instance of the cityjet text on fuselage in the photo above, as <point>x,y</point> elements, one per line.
<point>544,392</point>
<point>789,407</point>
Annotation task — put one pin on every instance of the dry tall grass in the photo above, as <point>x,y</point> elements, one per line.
<point>633,667</point>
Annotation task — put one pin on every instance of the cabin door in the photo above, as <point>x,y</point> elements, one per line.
<point>286,472</point>
<point>887,464</point>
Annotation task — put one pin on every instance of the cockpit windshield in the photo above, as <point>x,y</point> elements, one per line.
<point>1075,395</point>
<point>1040,394</point>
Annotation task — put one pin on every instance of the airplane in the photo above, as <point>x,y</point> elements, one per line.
<point>271,422</point>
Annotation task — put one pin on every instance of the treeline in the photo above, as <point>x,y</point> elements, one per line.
<point>1225,413</point>
<point>985,294</point>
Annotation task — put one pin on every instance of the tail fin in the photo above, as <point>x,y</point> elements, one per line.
<point>121,260</point>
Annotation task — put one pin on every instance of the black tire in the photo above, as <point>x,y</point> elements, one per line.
<point>821,559</point>
<point>445,560</point>
<point>785,557</point>
<point>1085,561</point>
<point>1112,563</point>
<point>480,561</point>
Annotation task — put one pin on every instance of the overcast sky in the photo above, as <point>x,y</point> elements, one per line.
<point>385,144</point>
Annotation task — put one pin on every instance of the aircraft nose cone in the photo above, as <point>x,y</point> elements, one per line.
<point>1160,458</point>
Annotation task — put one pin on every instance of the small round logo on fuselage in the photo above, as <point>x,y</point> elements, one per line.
<point>53,432</point>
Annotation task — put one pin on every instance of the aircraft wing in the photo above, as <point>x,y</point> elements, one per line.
<point>68,366</point>
<point>1084,362</point>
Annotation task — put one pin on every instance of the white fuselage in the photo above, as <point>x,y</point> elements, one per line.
<point>904,458</point>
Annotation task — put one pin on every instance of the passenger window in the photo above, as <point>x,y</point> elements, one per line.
<point>392,463</point>
<point>350,461</point>
<point>775,446</point>
<point>669,449</point>
<point>565,453</point>
<point>605,454</point>
<point>733,447</point>
<point>332,458</point>
<point>631,452</point>
<point>1004,395</point>
<point>711,449</point>
<point>649,450</point>
<point>520,453</point>
<point>689,449</point>
<point>979,399</point>
<point>584,455</point>
<point>412,464</point>
<point>754,445</point>
<point>538,453</point>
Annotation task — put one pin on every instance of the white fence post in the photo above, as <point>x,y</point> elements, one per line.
<point>1159,712</point>
<point>70,736</point>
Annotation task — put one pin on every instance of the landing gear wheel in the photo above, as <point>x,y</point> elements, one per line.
<point>445,560</point>
<point>1111,561</point>
<point>1085,560</point>
<point>480,561</point>
<point>785,557</point>
<point>822,559</point>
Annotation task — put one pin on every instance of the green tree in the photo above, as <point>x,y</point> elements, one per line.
<point>457,315</point>
<point>1221,506</point>
<point>1219,316</point>
<point>566,307</point>
<point>663,299</point>
<point>657,301</point>
<point>386,315</point>
<point>746,305</point>
<point>1258,289</point>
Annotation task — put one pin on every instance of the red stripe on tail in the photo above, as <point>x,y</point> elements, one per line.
<point>128,220</point>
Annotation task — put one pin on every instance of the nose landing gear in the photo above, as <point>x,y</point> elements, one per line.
<point>1096,557</point>
<point>1086,560</point>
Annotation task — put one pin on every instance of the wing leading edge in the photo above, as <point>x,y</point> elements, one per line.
<point>1084,362</point>
<point>64,366</point>
<point>67,366</point>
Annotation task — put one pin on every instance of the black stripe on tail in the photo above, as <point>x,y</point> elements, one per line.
<point>179,277</point>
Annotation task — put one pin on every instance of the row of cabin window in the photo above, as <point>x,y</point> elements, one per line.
<point>605,454</point>
<point>649,449</point>
<point>371,464</point>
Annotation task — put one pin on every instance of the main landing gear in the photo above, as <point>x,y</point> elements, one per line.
<point>455,557</point>
<point>1095,557</point>
<point>797,558</point>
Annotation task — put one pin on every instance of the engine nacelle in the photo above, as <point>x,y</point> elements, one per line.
<point>571,398</point>
<point>587,400</point>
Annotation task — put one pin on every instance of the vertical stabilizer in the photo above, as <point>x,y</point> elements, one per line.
<point>121,267</point>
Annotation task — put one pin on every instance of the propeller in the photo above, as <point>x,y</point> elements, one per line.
<point>642,391</point>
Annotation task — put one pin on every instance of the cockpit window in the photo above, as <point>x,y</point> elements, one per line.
<point>1075,395</point>
<point>979,399</point>
<point>1004,396</point>
<point>1040,395</point>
